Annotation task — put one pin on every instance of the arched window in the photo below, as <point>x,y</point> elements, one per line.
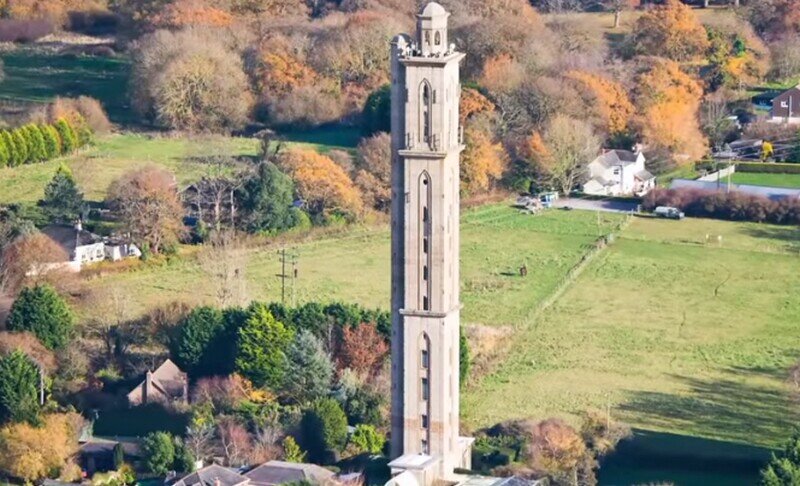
<point>425,113</point>
<point>427,37</point>
<point>437,38</point>
<point>424,248</point>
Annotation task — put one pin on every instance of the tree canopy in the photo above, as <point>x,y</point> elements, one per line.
<point>43,312</point>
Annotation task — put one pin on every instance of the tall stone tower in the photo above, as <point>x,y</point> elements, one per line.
<point>426,148</point>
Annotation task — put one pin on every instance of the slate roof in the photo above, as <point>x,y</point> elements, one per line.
<point>617,157</point>
<point>211,476</point>
<point>69,238</point>
<point>644,175</point>
<point>280,472</point>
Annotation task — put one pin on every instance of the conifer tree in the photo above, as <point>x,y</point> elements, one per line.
<point>5,156</point>
<point>52,144</point>
<point>8,141</point>
<point>20,145</point>
<point>69,141</point>
<point>38,152</point>
<point>62,199</point>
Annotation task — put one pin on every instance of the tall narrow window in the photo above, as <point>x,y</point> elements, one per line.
<point>425,390</point>
<point>428,37</point>
<point>425,112</point>
<point>437,39</point>
<point>425,359</point>
<point>424,421</point>
<point>424,446</point>
<point>424,242</point>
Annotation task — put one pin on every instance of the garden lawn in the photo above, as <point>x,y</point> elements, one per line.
<point>95,168</point>
<point>354,267</point>
<point>671,333</point>
<point>765,179</point>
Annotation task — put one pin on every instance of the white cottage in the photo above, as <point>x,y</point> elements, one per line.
<point>81,246</point>
<point>619,173</point>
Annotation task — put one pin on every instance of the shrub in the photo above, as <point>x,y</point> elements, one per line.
<point>83,110</point>
<point>367,439</point>
<point>770,168</point>
<point>324,430</point>
<point>43,312</point>
<point>734,206</point>
<point>784,467</point>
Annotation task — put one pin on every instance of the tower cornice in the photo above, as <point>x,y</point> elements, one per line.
<point>432,60</point>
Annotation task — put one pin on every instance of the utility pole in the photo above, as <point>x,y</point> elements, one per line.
<point>290,258</point>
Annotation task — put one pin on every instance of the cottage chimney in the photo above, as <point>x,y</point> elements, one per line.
<point>148,382</point>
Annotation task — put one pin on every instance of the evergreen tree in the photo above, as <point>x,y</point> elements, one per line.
<point>262,343</point>
<point>367,439</point>
<point>20,146</point>
<point>158,450</point>
<point>266,199</point>
<point>52,144</point>
<point>62,199</point>
<point>205,341</point>
<point>8,141</point>
<point>83,132</point>
<point>324,430</point>
<point>309,370</point>
<point>38,152</point>
<point>292,451</point>
<point>376,114</point>
<point>69,141</point>
<point>5,155</point>
<point>784,468</point>
<point>43,312</point>
<point>19,388</point>
<point>184,460</point>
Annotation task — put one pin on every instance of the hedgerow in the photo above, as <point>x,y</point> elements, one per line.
<point>33,143</point>
<point>733,206</point>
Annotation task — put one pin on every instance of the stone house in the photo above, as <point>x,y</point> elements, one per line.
<point>167,384</point>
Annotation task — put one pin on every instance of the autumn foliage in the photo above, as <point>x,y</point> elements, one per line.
<point>671,30</point>
<point>185,13</point>
<point>473,103</point>
<point>668,100</point>
<point>31,453</point>
<point>607,98</point>
<point>362,349</point>
<point>483,161</point>
<point>324,185</point>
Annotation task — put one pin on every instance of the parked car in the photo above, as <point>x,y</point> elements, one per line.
<point>668,212</point>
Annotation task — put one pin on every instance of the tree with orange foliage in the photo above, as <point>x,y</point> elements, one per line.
<point>189,13</point>
<point>280,69</point>
<point>668,100</point>
<point>671,30</point>
<point>374,170</point>
<point>31,346</point>
<point>473,103</point>
<point>484,160</point>
<point>607,98</point>
<point>501,73</point>
<point>321,182</point>
<point>557,449</point>
<point>362,349</point>
<point>147,203</point>
<point>32,453</point>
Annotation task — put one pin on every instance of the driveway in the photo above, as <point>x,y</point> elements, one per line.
<point>594,205</point>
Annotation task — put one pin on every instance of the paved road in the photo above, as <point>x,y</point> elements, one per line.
<point>590,205</point>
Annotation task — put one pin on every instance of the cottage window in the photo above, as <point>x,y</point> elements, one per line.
<point>784,104</point>
<point>616,171</point>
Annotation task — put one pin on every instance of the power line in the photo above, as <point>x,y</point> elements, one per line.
<point>285,258</point>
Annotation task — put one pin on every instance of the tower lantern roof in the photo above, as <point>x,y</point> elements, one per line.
<point>432,30</point>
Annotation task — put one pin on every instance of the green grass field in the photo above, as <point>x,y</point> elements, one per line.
<point>37,76</point>
<point>673,334</point>
<point>97,167</point>
<point>765,179</point>
<point>493,293</point>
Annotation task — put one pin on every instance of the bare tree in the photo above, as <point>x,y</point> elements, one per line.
<point>235,441</point>
<point>224,261</point>
<point>30,259</point>
<point>213,198</point>
<point>714,120</point>
<point>109,311</point>
<point>199,438</point>
<point>147,203</point>
<point>619,6</point>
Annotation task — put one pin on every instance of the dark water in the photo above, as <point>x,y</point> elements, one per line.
<point>652,457</point>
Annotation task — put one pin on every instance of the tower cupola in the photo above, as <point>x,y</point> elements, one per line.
<point>432,30</point>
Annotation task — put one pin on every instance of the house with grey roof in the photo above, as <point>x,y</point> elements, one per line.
<point>274,473</point>
<point>213,475</point>
<point>167,384</point>
<point>619,173</point>
<point>81,246</point>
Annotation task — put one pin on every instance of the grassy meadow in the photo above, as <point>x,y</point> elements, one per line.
<point>355,266</point>
<point>671,333</point>
<point>766,179</point>
<point>684,327</point>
